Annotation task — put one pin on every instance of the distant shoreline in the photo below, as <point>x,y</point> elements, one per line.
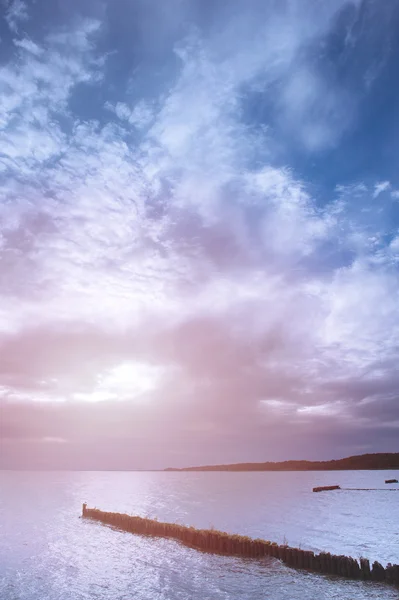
<point>363,462</point>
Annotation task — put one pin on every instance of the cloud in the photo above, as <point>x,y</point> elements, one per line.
<point>139,116</point>
<point>314,109</point>
<point>16,13</point>
<point>380,187</point>
<point>159,255</point>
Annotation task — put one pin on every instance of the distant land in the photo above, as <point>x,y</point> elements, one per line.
<point>363,462</point>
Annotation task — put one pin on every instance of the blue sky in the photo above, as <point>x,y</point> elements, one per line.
<point>199,231</point>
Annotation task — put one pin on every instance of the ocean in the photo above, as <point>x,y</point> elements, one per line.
<point>48,553</point>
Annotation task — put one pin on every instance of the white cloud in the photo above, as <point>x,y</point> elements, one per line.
<point>363,315</point>
<point>394,246</point>
<point>35,87</point>
<point>16,13</point>
<point>140,115</point>
<point>380,187</point>
<point>28,46</point>
<point>314,110</point>
<point>292,225</point>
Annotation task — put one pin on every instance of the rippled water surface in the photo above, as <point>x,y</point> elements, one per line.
<point>48,552</point>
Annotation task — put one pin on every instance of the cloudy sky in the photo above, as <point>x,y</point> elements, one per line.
<point>199,231</point>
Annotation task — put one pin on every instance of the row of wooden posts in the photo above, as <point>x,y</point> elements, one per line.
<point>218,542</point>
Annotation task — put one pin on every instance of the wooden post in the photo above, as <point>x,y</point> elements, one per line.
<point>378,572</point>
<point>365,568</point>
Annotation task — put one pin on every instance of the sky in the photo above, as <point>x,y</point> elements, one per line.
<point>199,231</point>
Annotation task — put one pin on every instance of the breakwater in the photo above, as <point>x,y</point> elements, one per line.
<point>219,542</point>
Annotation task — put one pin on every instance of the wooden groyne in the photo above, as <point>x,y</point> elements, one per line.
<point>326,488</point>
<point>329,488</point>
<point>219,542</point>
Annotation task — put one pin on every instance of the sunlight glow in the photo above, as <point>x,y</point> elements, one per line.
<point>126,381</point>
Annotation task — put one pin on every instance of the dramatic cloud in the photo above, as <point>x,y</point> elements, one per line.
<point>179,283</point>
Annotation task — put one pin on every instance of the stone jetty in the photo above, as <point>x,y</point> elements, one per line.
<point>219,542</point>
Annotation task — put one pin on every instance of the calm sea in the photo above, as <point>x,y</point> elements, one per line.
<point>47,552</point>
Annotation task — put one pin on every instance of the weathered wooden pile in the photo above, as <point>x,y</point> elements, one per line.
<point>218,542</point>
<point>326,488</point>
